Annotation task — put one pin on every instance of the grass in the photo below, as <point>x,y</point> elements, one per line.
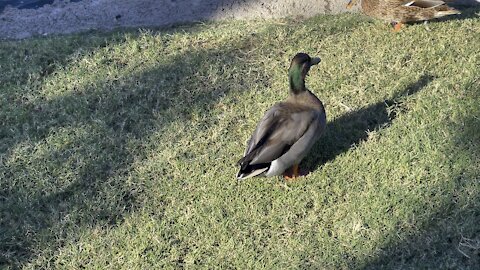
<point>118,150</point>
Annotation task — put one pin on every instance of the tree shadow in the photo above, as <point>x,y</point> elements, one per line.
<point>106,122</point>
<point>352,128</point>
<point>109,121</point>
<point>25,68</point>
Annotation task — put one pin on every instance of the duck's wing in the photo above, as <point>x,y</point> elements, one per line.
<point>301,147</point>
<point>423,3</point>
<point>280,128</point>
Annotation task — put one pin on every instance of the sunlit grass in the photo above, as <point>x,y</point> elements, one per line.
<point>118,150</point>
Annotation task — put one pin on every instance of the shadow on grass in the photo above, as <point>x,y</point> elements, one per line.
<point>80,182</point>
<point>469,12</point>
<point>465,4</point>
<point>449,237</point>
<point>352,128</point>
<point>41,213</point>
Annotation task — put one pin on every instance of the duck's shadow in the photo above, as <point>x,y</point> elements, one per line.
<point>352,128</point>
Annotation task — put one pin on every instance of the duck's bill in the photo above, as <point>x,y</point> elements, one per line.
<point>315,60</point>
<point>350,4</point>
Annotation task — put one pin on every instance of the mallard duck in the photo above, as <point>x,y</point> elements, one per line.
<point>288,130</point>
<point>399,12</point>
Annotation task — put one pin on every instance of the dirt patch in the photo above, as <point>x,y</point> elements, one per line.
<point>45,17</point>
<point>67,16</point>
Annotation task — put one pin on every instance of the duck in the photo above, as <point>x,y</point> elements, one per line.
<point>399,12</point>
<point>288,130</point>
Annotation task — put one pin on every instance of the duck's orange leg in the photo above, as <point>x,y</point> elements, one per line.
<point>397,26</point>
<point>351,3</point>
<point>294,175</point>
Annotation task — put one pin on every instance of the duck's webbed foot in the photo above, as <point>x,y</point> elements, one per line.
<point>292,173</point>
<point>397,26</point>
<point>425,23</point>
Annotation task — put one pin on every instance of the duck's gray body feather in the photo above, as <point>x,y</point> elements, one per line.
<point>283,137</point>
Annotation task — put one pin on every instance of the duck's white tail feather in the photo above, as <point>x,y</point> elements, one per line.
<point>446,13</point>
<point>254,173</point>
<point>424,3</point>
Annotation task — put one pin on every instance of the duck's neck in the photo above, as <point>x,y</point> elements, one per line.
<point>297,81</point>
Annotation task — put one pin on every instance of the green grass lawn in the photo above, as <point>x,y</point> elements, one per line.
<point>119,150</point>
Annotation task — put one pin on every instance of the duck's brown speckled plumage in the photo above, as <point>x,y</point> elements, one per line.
<point>402,11</point>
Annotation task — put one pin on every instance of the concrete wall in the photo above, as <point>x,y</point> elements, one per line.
<point>63,16</point>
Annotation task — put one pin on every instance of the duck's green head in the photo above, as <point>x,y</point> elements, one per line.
<point>298,70</point>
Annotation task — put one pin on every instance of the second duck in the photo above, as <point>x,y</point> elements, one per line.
<point>399,12</point>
